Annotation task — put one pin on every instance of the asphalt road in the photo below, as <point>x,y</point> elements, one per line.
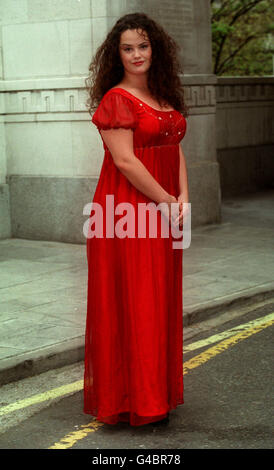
<point>228,398</point>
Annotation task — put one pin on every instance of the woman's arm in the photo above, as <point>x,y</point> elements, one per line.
<point>183,181</point>
<point>183,185</point>
<point>120,144</point>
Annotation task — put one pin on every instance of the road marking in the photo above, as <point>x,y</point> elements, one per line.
<point>78,386</point>
<point>49,395</point>
<point>70,439</point>
<point>248,329</point>
<point>227,333</point>
<point>223,345</point>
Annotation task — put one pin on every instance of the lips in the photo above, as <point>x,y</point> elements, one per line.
<point>138,63</point>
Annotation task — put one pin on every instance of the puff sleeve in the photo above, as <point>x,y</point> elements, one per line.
<point>115,110</point>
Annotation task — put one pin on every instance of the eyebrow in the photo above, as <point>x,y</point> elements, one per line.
<point>131,44</point>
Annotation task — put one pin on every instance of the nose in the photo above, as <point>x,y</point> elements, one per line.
<point>136,55</point>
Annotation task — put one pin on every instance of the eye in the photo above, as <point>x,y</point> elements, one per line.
<point>144,46</point>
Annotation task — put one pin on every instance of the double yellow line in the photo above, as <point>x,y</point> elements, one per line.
<point>246,330</point>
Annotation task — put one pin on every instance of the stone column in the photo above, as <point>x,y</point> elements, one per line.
<point>5,224</point>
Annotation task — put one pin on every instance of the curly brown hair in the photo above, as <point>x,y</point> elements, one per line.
<point>106,69</point>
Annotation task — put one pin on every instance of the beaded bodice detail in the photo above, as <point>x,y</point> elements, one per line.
<point>168,122</point>
<point>151,127</point>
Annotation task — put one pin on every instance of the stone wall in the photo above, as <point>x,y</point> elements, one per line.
<point>51,153</point>
<point>245,133</point>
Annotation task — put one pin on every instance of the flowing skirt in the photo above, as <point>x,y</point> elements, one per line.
<point>134,326</point>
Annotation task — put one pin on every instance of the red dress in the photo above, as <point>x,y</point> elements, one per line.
<point>134,325</point>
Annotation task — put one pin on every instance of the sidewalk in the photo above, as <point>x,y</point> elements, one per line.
<point>43,285</point>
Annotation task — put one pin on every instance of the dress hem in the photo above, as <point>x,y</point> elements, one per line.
<point>116,418</point>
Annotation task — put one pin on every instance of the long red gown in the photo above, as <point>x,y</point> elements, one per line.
<point>134,326</point>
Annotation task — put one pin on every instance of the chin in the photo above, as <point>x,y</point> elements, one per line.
<point>140,69</point>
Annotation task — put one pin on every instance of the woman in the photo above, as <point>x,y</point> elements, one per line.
<point>133,350</point>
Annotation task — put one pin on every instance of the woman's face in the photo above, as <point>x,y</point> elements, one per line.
<point>135,47</point>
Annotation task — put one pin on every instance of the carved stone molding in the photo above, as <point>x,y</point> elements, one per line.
<point>44,101</point>
<point>62,101</point>
<point>239,89</point>
<point>200,95</point>
<point>74,100</point>
<point>236,93</point>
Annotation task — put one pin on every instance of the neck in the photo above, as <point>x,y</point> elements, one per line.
<point>135,82</point>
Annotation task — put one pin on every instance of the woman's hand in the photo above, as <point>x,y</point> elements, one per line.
<point>171,212</point>
<point>167,208</point>
<point>173,200</point>
<point>183,210</point>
